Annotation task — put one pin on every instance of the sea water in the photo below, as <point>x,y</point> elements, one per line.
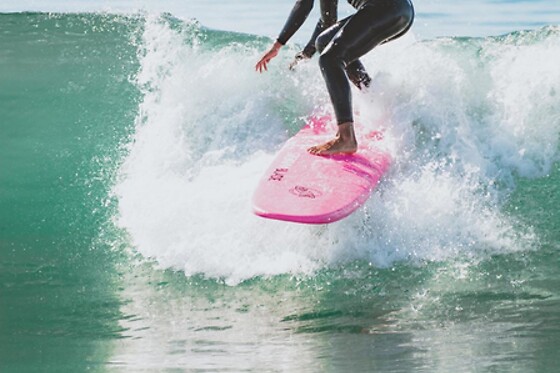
<point>133,133</point>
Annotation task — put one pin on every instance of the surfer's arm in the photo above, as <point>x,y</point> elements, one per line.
<point>297,17</point>
<point>328,18</point>
<point>309,50</point>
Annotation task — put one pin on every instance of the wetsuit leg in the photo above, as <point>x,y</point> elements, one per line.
<point>373,24</point>
<point>355,70</point>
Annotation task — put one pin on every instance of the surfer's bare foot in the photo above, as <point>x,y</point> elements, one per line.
<point>344,142</point>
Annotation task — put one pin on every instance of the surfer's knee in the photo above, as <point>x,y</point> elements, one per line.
<point>331,58</point>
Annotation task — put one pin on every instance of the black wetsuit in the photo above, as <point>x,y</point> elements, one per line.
<point>342,43</point>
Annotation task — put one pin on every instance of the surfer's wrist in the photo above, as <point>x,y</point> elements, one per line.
<point>277,45</point>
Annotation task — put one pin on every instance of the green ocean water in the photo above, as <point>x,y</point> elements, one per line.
<point>118,132</point>
<point>66,101</point>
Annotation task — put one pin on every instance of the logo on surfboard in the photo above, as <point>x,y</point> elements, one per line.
<point>278,174</point>
<point>305,192</point>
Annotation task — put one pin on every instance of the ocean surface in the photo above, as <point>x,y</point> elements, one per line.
<point>133,133</point>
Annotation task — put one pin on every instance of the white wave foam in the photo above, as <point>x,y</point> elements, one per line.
<point>209,125</point>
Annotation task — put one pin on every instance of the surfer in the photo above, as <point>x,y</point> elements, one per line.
<point>340,45</point>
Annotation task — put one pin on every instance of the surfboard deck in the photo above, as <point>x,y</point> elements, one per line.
<point>304,188</point>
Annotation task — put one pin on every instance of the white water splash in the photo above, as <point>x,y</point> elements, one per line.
<point>209,125</point>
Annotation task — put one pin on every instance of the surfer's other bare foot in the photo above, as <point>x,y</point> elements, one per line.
<point>344,142</point>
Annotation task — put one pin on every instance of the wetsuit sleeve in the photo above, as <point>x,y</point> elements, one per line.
<point>310,49</point>
<point>328,18</point>
<point>297,16</point>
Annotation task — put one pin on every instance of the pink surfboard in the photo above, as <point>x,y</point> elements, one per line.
<point>304,188</point>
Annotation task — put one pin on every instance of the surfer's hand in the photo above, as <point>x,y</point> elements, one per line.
<point>265,59</point>
<point>305,54</point>
<point>297,59</point>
